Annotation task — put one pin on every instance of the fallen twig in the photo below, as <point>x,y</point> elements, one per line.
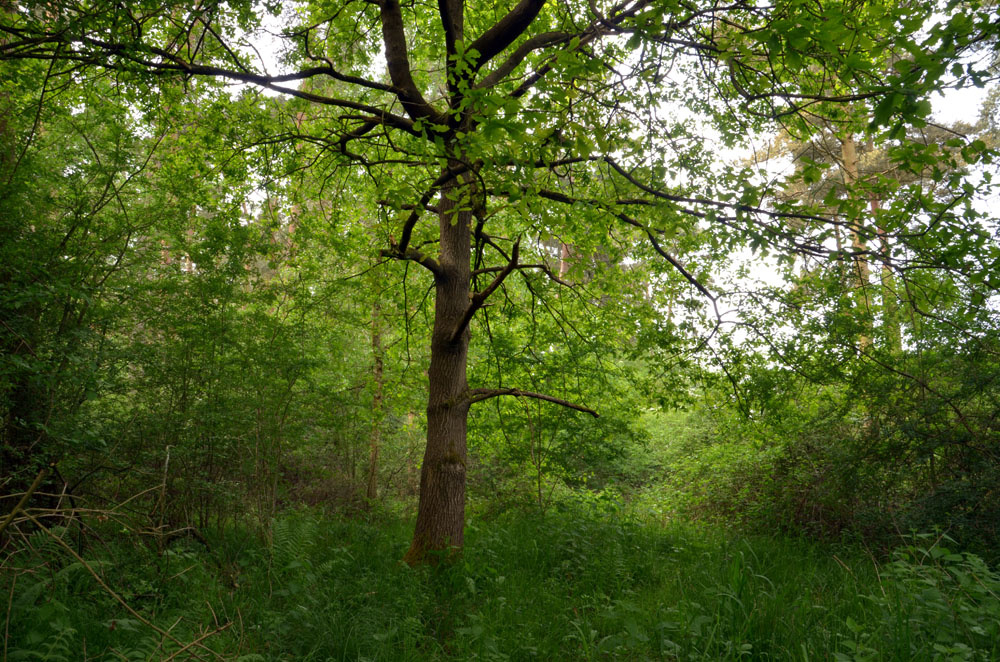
<point>117,597</point>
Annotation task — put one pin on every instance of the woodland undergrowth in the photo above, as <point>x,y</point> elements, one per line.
<point>570,584</point>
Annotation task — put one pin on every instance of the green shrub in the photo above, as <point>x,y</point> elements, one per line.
<point>933,604</point>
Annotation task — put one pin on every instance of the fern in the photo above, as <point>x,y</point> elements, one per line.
<point>291,540</point>
<point>56,648</point>
<point>29,593</point>
<point>283,543</point>
<point>146,650</point>
<point>59,647</point>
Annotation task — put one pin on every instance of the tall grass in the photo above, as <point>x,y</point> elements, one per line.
<point>563,586</point>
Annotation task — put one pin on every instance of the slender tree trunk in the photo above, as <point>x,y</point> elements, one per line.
<point>375,441</point>
<point>890,303</point>
<point>891,329</point>
<point>534,441</point>
<point>849,156</point>
<point>441,511</point>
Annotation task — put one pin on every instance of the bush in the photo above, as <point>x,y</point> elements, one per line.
<point>933,604</point>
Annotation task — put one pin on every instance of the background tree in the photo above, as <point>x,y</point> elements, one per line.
<point>67,258</point>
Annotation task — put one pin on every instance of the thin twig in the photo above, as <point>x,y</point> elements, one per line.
<point>10,610</point>
<point>111,592</point>
<point>197,642</point>
<point>24,499</point>
<point>480,394</point>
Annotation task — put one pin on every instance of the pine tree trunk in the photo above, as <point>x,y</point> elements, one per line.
<point>441,512</point>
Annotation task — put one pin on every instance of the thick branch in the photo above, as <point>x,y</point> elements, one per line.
<point>360,132</point>
<point>506,30</point>
<point>398,63</point>
<point>530,45</point>
<point>173,62</point>
<point>411,220</point>
<point>453,22</point>
<point>544,268</point>
<point>107,52</point>
<point>480,394</point>
<point>479,298</point>
<point>413,255</point>
<point>602,26</point>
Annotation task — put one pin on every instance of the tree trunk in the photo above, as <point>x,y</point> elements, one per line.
<point>375,441</point>
<point>890,304</point>
<point>892,331</point>
<point>849,155</point>
<point>441,511</point>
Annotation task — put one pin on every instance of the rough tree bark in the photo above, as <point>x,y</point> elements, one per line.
<point>441,511</point>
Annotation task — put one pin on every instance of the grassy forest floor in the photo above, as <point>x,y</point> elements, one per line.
<point>567,585</point>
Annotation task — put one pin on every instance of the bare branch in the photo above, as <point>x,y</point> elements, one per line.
<point>413,255</point>
<point>479,298</point>
<point>398,62</point>
<point>107,589</point>
<point>663,195</point>
<point>24,498</point>
<point>480,394</point>
<point>675,263</point>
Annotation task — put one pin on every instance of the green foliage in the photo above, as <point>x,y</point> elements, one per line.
<point>871,455</point>
<point>67,165</point>
<point>933,604</point>
<point>212,303</point>
<point>565,584</point>
<point>59,611</point>
<point>163,329</point>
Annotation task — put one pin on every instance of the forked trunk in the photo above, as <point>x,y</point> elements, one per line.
<point>441,513</point>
